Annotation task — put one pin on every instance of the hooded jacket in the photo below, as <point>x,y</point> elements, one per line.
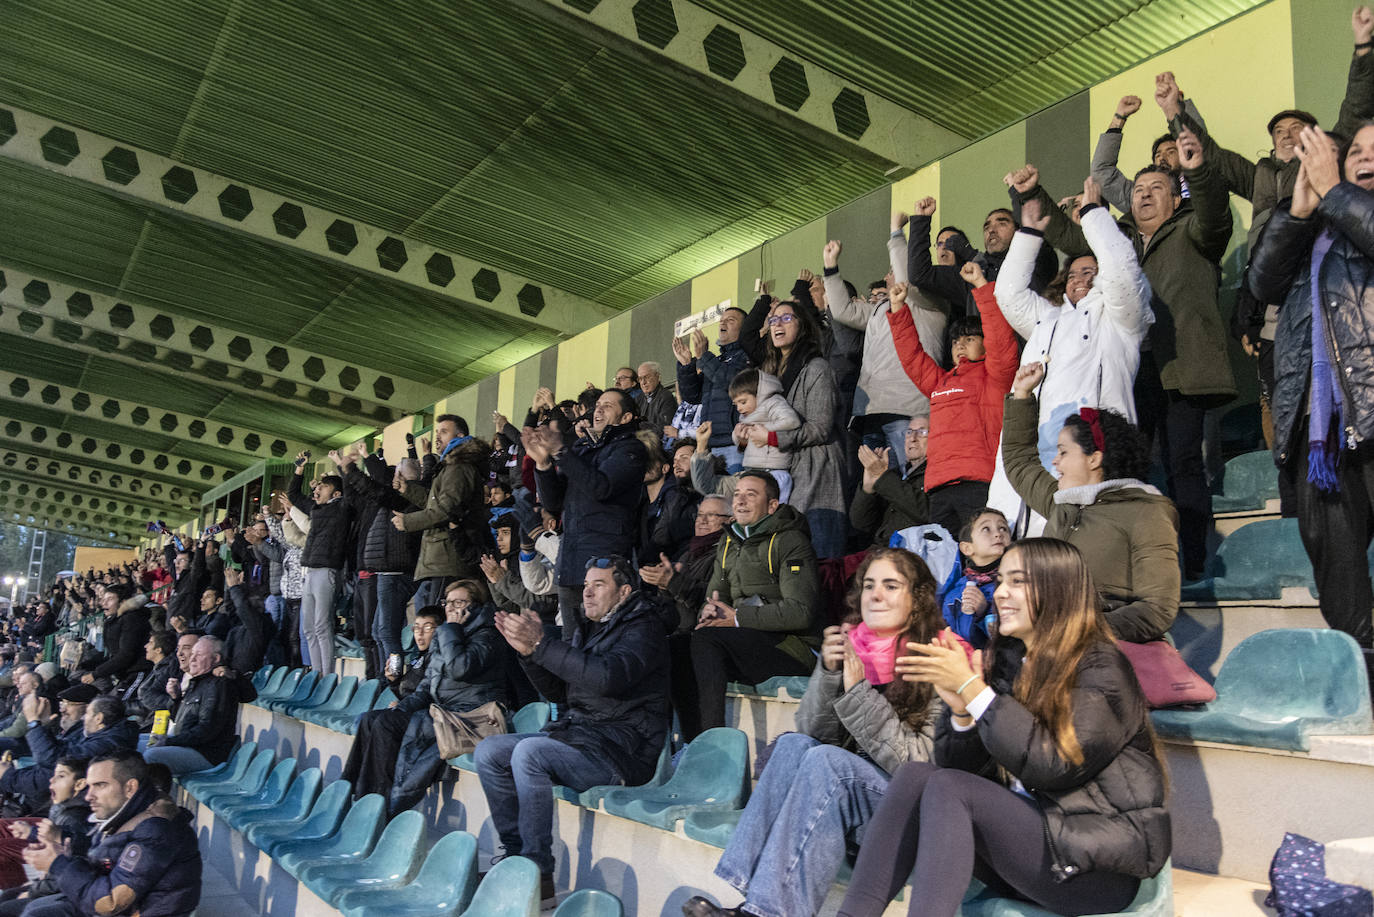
<point>612,680</point>
<point>774,414</point>
<point>769,574</point>
<point>666,524</point>
<point>454,495</point>
<point>966,401</point>
<point>1106,814</point>
<point>1126,530</point>
<point>125,637</point>
<point>465,668</point>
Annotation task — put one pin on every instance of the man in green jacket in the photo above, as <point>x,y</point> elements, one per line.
<point>1186,372</point>
<point>759,619</point>
<point>454,516</point>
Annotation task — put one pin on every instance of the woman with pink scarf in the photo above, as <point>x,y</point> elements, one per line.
<point>855,726</point>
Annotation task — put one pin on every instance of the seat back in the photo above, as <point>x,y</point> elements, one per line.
<point>1268,552</point>
<point>590,902</point>
<point>1249,481</point>
<point>532,717</point>
<point>385,698</point>
<point>714,769</point>
<point>304,686</point>
<point>239,762</point>
<point>511,889</point>
<point>407,638</point>
<point>362,698</point>
<point>256,775</point>
<point>342,694</point>
<point>262,676</point>
<point>276,785</point>
<point>396,848</point>
<point>323,688</point>
<point>448,877</point>
<point>300,795</point>
<point>283,687</point>
<point>1294,672</point>
<point>328,811</point>
<point>361,826</point>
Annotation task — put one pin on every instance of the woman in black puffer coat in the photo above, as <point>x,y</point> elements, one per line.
<point>1078,817</point>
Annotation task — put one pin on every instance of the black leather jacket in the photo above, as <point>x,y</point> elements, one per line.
<point>1281,271</point>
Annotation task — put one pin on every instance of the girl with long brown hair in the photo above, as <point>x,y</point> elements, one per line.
<point>1078,817</point>
<point>857,724</point>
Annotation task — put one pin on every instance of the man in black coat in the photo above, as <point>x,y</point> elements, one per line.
<point>149,694</point>
<point>326,552</point>
<point>611,684</point>
<point>204,716</point>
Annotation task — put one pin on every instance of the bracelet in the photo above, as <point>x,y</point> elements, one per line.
<point>971,679</point>
<point>1364,44</point>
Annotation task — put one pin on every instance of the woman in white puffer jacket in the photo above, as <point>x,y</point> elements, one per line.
<point>1089,336</point>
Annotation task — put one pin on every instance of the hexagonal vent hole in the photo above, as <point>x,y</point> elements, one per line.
<point>789,83</point>
<point>289,220</point>
<point>59,145</point>
<point>278,448</point>
<point>196,428</point>
<point>724,52</point>
<point>285,388</point>
<point>348,378</point>
<point>486,286</point>
<point>277,358</point>
<point>183,467</point>
<point>38,434</point>
<point>120,165</point>
<point>250,378</point>
<point>851,113</point>
<point>531,299</point>
<point>235,202</point>
<point>252,442</point>
<point>37,293</point>
<point>179,185</point>
<point>240,348</point>
<point>224,436</point>
<point>29,323</point>
<point>162,327</point>
<point>214,369</point>
<point>139,415</point>
<point>50,394</point>
<point>88,445</point>
<point>64,440</point>
<point>7,126</point>
<point>439,269</point>
<point>318,397</point>
<point>202,338</point>
<point>19,387</point>
<point>391,254</point>
<point>168,422</point>
<point>341,237</point>
<point>160,462</point>
<point>112,451</point>
<point>79,306</point>
<point>654,22</point>
<point>137,456</point>
<point>383,387</point>
<point>121,316</point>
<point>110,408</point>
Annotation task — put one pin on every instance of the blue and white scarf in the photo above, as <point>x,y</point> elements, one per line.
<point>1324,401</point>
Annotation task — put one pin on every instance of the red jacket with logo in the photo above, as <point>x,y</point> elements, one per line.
<point>965,402</point>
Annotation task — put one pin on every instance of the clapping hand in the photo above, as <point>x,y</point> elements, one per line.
<point>523,631</point>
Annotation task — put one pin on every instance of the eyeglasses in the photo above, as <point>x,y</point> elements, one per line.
<point>623,378</point>
<point>458,603</point>
<point>425,628</point>
<point>785,319</point>
<point>911,433</point>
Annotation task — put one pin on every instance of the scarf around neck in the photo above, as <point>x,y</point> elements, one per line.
<point>878,654</point>
<point>453,444</point>
<point>1324,400</point>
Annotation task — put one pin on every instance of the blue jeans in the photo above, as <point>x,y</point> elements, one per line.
<point>734,459</point>
<point>791,839</point>
<point>518,773</point>
<point>393,591</point>
<point>178,758</point>
<point>829,528</point>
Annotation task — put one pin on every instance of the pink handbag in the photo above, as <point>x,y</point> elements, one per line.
<point>1163,675</point>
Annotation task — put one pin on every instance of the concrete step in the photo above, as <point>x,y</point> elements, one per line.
<point>1197,894</point>
<point>1226,523</point>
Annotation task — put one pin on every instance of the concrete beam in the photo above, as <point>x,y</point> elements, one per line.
<point>189,475</point>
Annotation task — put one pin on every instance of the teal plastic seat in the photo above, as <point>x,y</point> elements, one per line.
<point>511,889</point>
<point>338,700</point>
<point>591,797</point>
<point>442,888</point>
<point>711,826</point>
<point>349,649</point>
<point>250,781</point>
<point>294,804</point>
<point>385,698</point>
<point>305,685</point>
<point>590,902</point>
<point>1256,561</point>
<point>359,703</point>
<point>279,689</point>
<point>1155,898</point>
<point>233,769</point>
<point>323,688</point>
<point>391,863</point>
<point>270,791</point>
<point>795,685</point>
<point>354,839</point>
<point>713,774</point>
<point>1248,482</point>
<point>532,717</point>
<point>262,676</point>
<point>1278,688</point>
<point>321,821</point>
<point>407,638</point>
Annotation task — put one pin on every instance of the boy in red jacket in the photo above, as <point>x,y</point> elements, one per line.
<point>965,402</point>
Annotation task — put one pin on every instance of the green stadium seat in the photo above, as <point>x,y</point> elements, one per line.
<point>251,780</point>
<point>1155,898</point>
<point>711,826</point>
<point>323,688</point>
<point>1278,688</point>
<point>591,797</point>
<point>270,790</point>
<point>511,889</point>
<point>359,703</point>
<point>1249,482</point>
<point>321,821</point>
<point>532,717</point>
<point>349,649</point>
<point>713,774</point>
<point>385,698</point>
<point>1256,561</point>
<point>233,769</point>
<point>305,685</point>
<point>407,638</point>
<point>338,700</point>
<point>296,803</point>
<point>263,676</point>
<point>443,887</point>
<point>590,902</point>
<point>391,863</point>
<point>772,687</point>
<point>279,689</point>
<point>354,839</point>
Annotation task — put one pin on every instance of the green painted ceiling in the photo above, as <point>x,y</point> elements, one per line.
<point>528,136</point>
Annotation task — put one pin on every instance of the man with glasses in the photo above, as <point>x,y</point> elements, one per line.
<point>657,404</point>
<point>891,499</point>
<point>610,682</point>
<point>371,764</point>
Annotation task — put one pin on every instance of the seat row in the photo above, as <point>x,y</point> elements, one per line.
<point>349,858</point>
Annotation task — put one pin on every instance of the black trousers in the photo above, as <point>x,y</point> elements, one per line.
<point>1336,529</point>
<point>290,633</point>
<point>950,825</point>
<point>364,612</point>
<point>951,505</point>
<point>1177,420</point>
<point>717,656</point>
<point>371,764</point>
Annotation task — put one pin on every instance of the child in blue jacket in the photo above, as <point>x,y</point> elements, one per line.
<point>966,597</point>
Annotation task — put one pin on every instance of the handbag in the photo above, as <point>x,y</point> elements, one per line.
<point>458,733</point>
<point>1163,675</point>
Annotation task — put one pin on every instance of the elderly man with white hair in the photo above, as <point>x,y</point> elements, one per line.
<point>203,716</point>
<point>659,405</point>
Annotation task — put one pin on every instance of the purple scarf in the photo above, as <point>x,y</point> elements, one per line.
<point>1324,400</point>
